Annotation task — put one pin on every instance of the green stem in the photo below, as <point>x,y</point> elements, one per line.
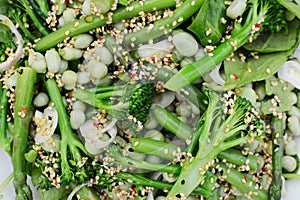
<point>291,176</point>
<point>17,16</point>
<point>5,141</point>
<point>277,127</point>
<point>44,6</point>
<point>113,93</point>
<point>236,157</point>
<point>140,180</point>
<point>36,21</point>
<point>140,164</point>
<point>22,119</point>
<point>164,25</point>
<point>100,89</point>
<point>68,137</point>
<point>242,182</point>
<point>6,181</point>
<point>158,148</point>
<point>172,123</point>
<point>38,9</point>
<point>94,21</point>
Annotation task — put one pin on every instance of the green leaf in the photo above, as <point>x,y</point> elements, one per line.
<point>123,2</point>
<point>3,7</point>
<point>291,6</point>
<point>209,18</point>
<point>274,42</point>
<point>282,91</point>
<point>239,73</point>
<point>6,34</point>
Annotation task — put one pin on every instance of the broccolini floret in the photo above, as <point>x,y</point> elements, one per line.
<point>131,100</point>
<point>228,121</point>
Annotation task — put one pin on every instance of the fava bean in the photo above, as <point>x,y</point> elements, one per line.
<point>289,163</point>
<point>82,41</point>
<point>70,53</point>
<point>291,148</point>
<point>53,60</point>
<point>294,125</point>
<point>97,69</point>
<point>77,118</point>
<point>185,43</point>
<point>41,100</point>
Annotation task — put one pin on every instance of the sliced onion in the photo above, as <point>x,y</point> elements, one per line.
<point>93,135</point>
<point>158,49</point>
<point>47,129</point>
<point>164,99</point>
<point>51,112</point>
<point>18,40</point>
<point>89,131</point>
<point>150,196</point>
<point>76,189</point>
<point>215,75</point>
<point>290,72</point>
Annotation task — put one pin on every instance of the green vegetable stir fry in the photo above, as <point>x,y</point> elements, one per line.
<point>150,99</point>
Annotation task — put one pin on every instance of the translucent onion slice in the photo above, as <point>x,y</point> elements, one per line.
<point>92,135</point>
<point>76,189</point>
<point>164,99</point>
<point>158,49</point>
<point>18,40</point>
<point>215,75</point>
<point>49,120</point>
<point>290,72</point>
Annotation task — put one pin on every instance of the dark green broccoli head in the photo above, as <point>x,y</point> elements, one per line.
<point>140,102</point>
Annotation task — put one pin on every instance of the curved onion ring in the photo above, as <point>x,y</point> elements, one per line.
<point>215,75</point>
<point>18,40</point>
<point>76,189</point>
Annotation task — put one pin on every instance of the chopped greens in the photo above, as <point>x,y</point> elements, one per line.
<point>154,99</point>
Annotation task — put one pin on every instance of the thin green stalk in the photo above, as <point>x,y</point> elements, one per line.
<point>158,148</point>
<point>5,141</point>
<point>6,182</point>
<point>242,182</point>
<point>94,21</point>
<point>141,180</point>
<point>38,9</point>
<point>164,25</point>
<point>16,15</point>
<point>277,128</point>
<point>44,6</point>
<point>36,21</point>
<point>172,123</point>
<point>236,157</point>
<point>90,98</point>
<point>113,93</point>
<point>69,140</point>
<point>100,89</point>
<point>119,158</point>
<point>22,120</point>
<point>291,176</point>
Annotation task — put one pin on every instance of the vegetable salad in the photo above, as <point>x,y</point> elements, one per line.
<point>148,99</point>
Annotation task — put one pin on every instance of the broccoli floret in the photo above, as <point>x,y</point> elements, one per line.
<point>229,120</point>
<point>131,100</point>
